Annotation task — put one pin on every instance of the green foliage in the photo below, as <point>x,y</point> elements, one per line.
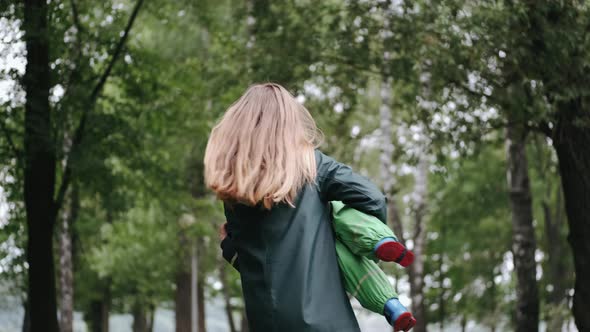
<point>471,233</point>
<point>136,252</point>
<point>459,70</point>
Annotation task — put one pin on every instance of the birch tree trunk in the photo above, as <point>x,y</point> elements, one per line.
<point>200,291</point>
<point>69,216</point>
<point>386,159</point>
<point>416,269</point>
<point>557,299</point>
<point>65,278</point>
<point>523,234</point>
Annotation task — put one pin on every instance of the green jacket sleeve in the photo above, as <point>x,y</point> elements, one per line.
<point>337,182</point>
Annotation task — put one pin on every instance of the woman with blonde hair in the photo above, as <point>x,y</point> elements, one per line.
<point>262,161</point>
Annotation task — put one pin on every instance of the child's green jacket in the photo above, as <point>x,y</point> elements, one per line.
<point>287,256</point>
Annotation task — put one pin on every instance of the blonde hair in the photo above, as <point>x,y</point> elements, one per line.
<point>262,150</point>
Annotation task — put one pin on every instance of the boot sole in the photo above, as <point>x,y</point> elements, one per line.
<point>394,252</point>
<point>404,322</point>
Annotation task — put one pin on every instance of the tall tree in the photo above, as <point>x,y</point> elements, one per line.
<point>552,33</point>
<point>523,233</point>
<point>557,37</point>
<point>416,269</point>
<point>40,157</point>
<point>182,295</point>
<point>572,137</point>
<point>66,269</point>
<point>39,175</point>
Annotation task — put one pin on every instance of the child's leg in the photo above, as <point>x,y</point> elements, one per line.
<point>364,280</point>
<point>366,235</point>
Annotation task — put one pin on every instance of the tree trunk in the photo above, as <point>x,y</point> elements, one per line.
<point>227,296</point>
<point>416,269</point>
<point>182,301</point>
<point>100,308</point>
<point>39,175</point>
<point>98,319</point>
<point>571,141</point>
<point>555,264</point>
<point>523,235</point>
<point>182,296</point>
<point>105,308</point>
<point>244,327</point>
<point>386,160</point>
<point>150,318</point>
<point>553,229</point>
<point>386,156</point>
<point>143,317</point>
<point>69,216</point>
<point>493,294</point>
<point>139,319</point>
<point>201,304</point>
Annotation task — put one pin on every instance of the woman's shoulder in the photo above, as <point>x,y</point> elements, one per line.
<point>327,165</point>
<point>323,159</point>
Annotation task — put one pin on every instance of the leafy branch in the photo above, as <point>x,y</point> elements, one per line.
<point>91,103</point>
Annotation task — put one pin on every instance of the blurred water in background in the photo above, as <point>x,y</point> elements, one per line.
<point>11,314</point>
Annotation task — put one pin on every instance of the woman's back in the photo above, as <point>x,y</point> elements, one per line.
<point>288,264</point>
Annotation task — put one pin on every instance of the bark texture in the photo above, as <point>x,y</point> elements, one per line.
<point>66,268</point>
<point>40,161</point>
<point>202,327</point>
<point>140,320</point>
<point>386,160</point>
<point>182,295</point>
<point>182,301</point>
<point>39,175</point>
<point>98,318</point>
<point>556,264</point>
<point>523,234</point>
<point>571,139</point>
<point>416,269</point>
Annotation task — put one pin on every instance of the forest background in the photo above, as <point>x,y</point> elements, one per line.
<point>472,116</point>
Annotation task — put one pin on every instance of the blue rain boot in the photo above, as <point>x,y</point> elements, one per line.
<point>398,316</point>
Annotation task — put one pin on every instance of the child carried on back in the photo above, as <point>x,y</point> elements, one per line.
<point>360,238</point>
<point>284,216</point>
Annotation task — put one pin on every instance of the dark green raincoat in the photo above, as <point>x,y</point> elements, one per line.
<point>288,265</point>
